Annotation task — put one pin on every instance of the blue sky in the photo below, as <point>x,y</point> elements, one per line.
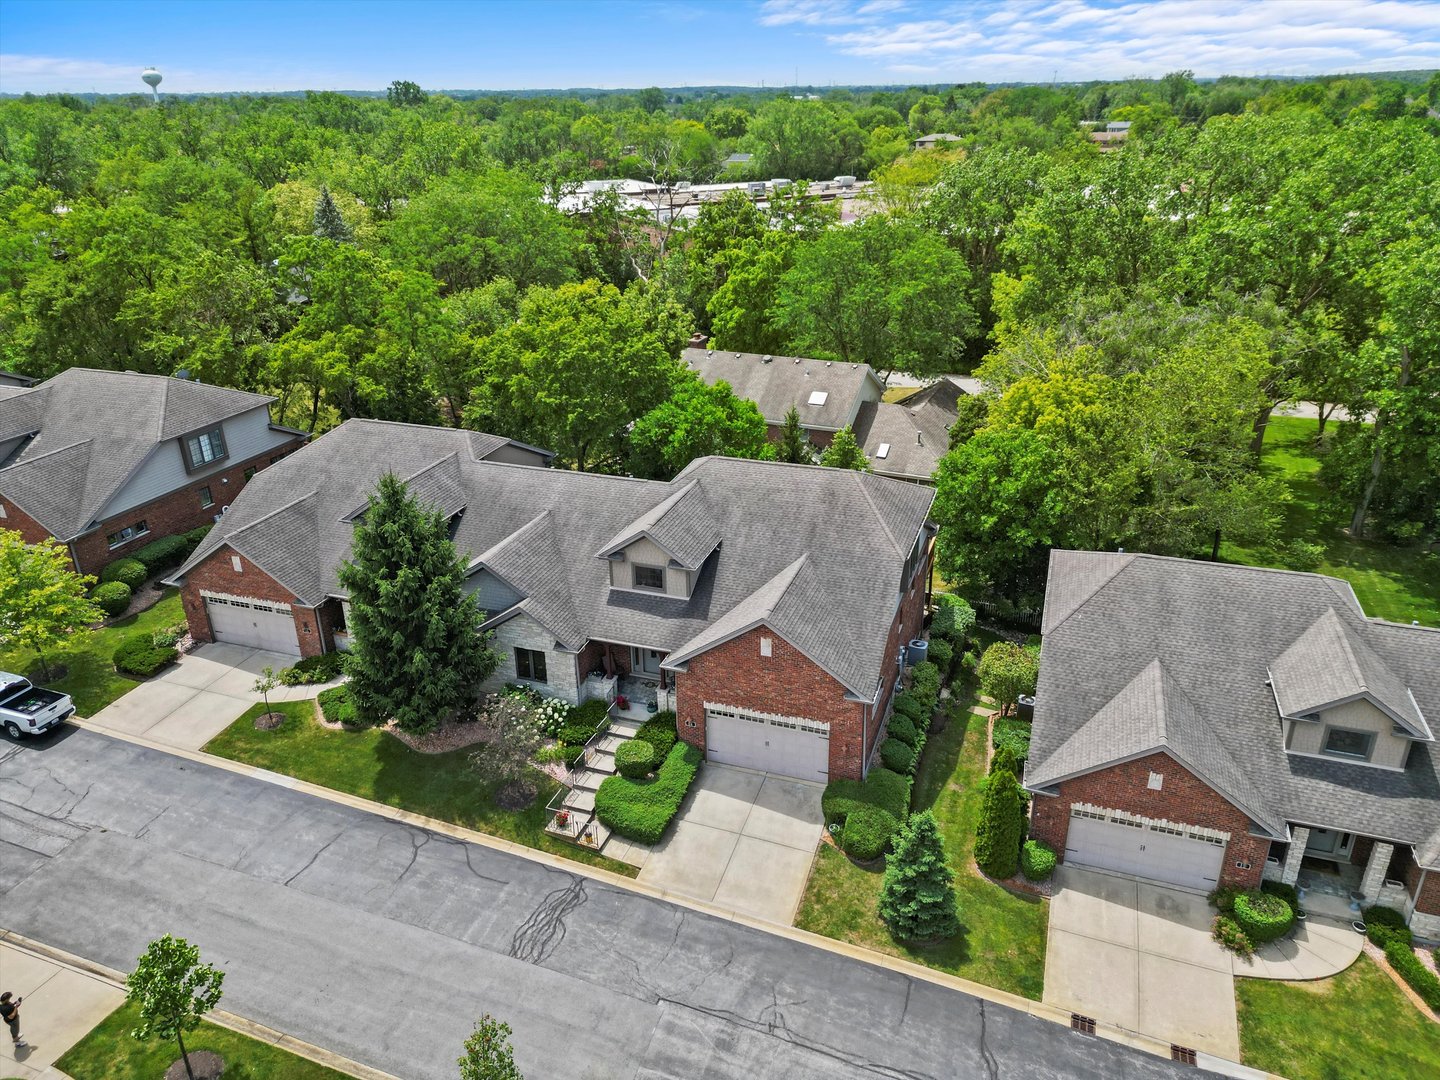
<point>81,45</point>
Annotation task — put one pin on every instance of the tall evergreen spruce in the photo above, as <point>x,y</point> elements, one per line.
<point>329,223</point>
<point>794,443</point>
<point>416,651</point>
<point>1002,825</point>
<point>917,897</point>
<point>845,453</point>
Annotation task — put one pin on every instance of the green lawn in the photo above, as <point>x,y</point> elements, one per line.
<point>1003,939</point>
<point>110,1053</point>
<point>379,767</point>
<point>1398,583</point>
<point>92,680</point>
<point>1355,1026</point>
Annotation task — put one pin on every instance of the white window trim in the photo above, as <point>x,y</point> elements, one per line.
<point>135,533</point>
<point>653,589</point>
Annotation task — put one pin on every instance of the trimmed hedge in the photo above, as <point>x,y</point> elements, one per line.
<point>313,669</point>
<point>113,597</point>
<point>888,790</point>
<point>1037,860</point>
<point>912,708</point>
<point>867,833</point>
<point>1263,916</point>
<point>164,553</point>
<point>941,654</point>
<point>641,810</point>
<point>1285,892</point>
<point>1384,925</point>
<point>954,619</point>
<point>131,571</point>
<point>336,706</point>
<point>904,729</point>
<point>635,759</point>
<point>925,684</point>
<point>897,756</point>
<point>138,655</point>
<point>1410,968</point>
<point>659,732</point>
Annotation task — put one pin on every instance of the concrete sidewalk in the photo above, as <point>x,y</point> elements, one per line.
<point>61,1007</point>
<point>199,696</point>
<point>1315,949</point>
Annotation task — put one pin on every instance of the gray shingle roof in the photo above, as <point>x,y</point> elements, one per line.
<point>785,381</point>
<point>540,531</point>
<point>684,525</point>
<point>915,433</point>
<point>91,430</point>
<point>1217,630</point>
<point>1330,663</point>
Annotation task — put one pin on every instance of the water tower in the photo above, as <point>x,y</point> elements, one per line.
<point>152,80</point>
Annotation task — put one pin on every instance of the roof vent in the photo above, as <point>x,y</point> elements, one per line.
<point>738,355</point>
<point>797,359</point>
<point>919,438</point>
<point>766,358</point>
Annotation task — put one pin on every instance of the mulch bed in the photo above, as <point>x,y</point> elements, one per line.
<point>206,1064</point>
<point>269,721</point>
<point>515,797</point>
<point>452,735</point>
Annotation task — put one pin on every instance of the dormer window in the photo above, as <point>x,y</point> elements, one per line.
<point>1347,743</point>
<point>648,577</point>
<point>204,448</point>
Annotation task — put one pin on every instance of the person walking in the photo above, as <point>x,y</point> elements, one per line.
<point>10,1013</point>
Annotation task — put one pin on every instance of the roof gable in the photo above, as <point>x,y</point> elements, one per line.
<point>776,384</point>
<point>683,526</point>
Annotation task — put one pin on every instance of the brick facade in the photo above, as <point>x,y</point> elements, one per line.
<point>177,512</point>
<point>1424,886</point>
<point>592,658</point>
<point>218,574</point>
<point>908,625</point>
<point>1184,799</point>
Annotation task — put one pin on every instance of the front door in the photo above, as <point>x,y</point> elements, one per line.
<point>1329,842</point>
<point>645,662</point>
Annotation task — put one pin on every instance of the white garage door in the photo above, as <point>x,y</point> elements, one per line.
<point>1184,855</point>
<point>260,624</point>
<point>787,745</point>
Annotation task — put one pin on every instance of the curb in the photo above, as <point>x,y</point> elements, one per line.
<point>1110,1032</point>
<point>238,1024</point>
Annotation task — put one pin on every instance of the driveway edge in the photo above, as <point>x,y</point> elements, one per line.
<point>240,1024</point>
<point>1110,1032</point>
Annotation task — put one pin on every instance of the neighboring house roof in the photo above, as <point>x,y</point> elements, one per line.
<point>544,533</point>
<point>13,378</point>
<point>778,383</point>
<point>931,140</point>
<point>914,434</point>
<point>1217,631</point>
<point>86,432</point>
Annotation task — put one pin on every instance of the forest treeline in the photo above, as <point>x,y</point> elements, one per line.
<point>1135,314</point>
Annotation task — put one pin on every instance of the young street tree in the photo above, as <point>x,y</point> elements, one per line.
<point>845,453</point>
<point>173,990</point>
<point>488,1055</point>
<point>329,223</point>
<point>43,602</point>
<point>917,897</point>
<point>416,649</point>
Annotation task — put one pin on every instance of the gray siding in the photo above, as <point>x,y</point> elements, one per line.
<point>511,454</point>
<point>493,595</point>
<point>1390,749</point>
<point>648,553</point>
<point>246,436</point>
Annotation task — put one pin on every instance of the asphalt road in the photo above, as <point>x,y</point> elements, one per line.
<point>383,942</point>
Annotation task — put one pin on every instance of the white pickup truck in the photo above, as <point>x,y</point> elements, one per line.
<point>27,709</point>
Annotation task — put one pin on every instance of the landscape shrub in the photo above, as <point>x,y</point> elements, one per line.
<point>969,663</point>
<point>941,654</point>
<point>953,620</point>
<point>582,722</point>
<point>908,705</point>
<point>867,833</point>
<point>1227,932</point>
<point>898,756</point>
<point>1413,970</point>
<point>138,655</point>
<point>1223,898</point>
<point>641,810</point>
<point>551,714</point>
<point>313,669</point>
<point>1005,758</point>
<point>131,571</point>
<point>168,635</point>
<point>904,729</point>
<point>162,554</point>
<point>925,684</point>
<point>1001,827</point>
<point>1037,860</point>
<point>113,597</point>
<point>1287,893</point>
<point>1013,733</point>
<point>635,758</point>
<point>1384,925</point>
<point>335,705</point>
<point>1263,916</point>
<point>888,790</point>
<point>194,536</point>
<point>659,732</point>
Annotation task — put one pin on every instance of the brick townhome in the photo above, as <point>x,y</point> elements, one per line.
<point>766,603</point>
<point>106,461</point>
<point>1199,723</point>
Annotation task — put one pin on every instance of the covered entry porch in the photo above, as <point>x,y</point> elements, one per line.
<point>1338,873</point>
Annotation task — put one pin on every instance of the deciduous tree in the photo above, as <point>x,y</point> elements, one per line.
<point>43,602</point>
<point>844,452</point>
<point>695,421</point>
<point>488,1055</point>
<point>173,990</point>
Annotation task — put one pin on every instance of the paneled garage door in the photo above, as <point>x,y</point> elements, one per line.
<point>1185,855</point>
<point>788,745</point>
<point>260,624</point>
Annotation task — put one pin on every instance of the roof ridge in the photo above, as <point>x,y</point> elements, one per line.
<point>50,453</point>
<point>870,502</point>
<point>1128,562</point>
<point>1349,647</point>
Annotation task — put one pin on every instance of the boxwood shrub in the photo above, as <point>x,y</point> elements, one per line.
<point>867,833</point>
<point>162,554</point>
<point>336,706</point>
<point>888,790</point>
<point>131,571</point>
<point>925,684</point>
<point>642,809</point>
<point>1384,925</point>
<point>1037,860</point>
<point>138,655</point>
<point>1263,916</point>
<point>941,654</point>
<point>194,536</point>
<point>911,707</point>
<point>635,758</point>
<point>1285,892</point>
<point>659,732</point>
<point>112,597</point>
<point>897,756</point>
<point>904,729</point>
<point>1410,968</point>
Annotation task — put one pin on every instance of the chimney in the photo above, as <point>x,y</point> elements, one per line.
<point>698,340</point>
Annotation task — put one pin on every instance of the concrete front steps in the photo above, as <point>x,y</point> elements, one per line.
<point>577,800</point>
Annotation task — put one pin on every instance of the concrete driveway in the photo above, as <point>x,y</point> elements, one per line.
<point>199,696</point>
<point>743,840</point>
<point>1140,956</point>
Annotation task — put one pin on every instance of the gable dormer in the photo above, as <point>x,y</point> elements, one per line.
<point>662,551</point>
<point>1338,699</point>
